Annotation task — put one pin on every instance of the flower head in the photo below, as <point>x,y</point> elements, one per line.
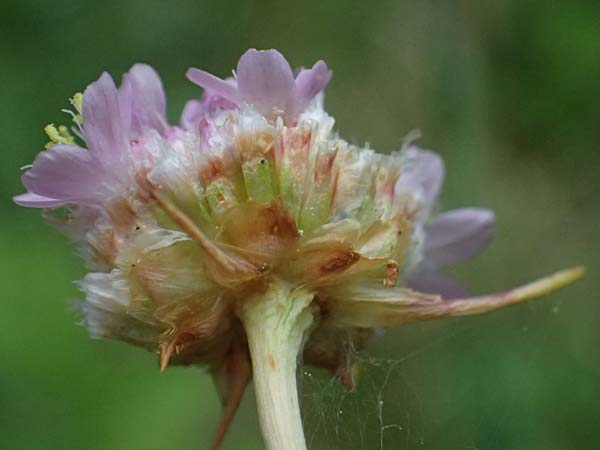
<point>252,200</point>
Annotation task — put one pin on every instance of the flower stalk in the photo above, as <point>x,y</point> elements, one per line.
<point>277,322</point>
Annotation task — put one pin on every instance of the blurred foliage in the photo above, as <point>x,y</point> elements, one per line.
<point>507,91</point>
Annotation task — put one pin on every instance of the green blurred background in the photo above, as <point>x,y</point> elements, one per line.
<point>507,91</point>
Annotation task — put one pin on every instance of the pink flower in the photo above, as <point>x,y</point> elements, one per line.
<point>264,79</point>
<point>111,119</point>
<point>253,234</point>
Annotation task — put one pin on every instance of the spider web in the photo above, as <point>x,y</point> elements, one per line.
<point>336,418</point>
<point>389,409</point>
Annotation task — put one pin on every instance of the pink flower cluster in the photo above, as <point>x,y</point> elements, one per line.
<point>115,121</point>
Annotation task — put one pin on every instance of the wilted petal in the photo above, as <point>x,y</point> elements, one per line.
<point>423,174</point>
<point>436,283</point>
<point>310,82</point>
<point>142,94</point>
<point>103,124</point>
<point>265,80</point>
<point>30,200</point>
<point>66,173</point>
<point>370,306</point>
<point>457,235</point>
<point>214,84</point>
<point>106,311</point>
<point>344,232</point>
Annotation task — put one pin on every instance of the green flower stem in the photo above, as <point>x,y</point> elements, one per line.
<point>277,323</point>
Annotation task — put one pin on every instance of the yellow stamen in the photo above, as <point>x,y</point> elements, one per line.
<point>60,135</point>
<point>77,102</point>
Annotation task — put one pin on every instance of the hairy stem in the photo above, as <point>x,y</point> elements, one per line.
<point>276,323</point>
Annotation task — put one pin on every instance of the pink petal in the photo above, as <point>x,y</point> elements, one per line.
<point>457,235</point>
<point>436,283</point>
<point>423,174</point>
<point>30,200</point>
<point>196,110</point>
<point>310,82</point>
<point>192,112</point>
<point>103,125</point>
<point>265,80</point>
<point>211,83</point>
<point>66,174</point>
<point>142,96</point>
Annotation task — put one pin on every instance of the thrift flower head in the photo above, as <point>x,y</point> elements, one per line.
<point>251,232</point>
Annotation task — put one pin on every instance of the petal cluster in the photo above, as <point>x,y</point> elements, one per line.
<point>112,120</point>
<point>265,80</point>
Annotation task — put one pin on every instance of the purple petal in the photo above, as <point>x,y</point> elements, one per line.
<point>103,125</point>
<point>223,88</point>
<point>192,112</point>
<point>30,200</point>
<point>265,80</point>
<point>65,173</point>
<point>457,235</point>
<point>142,95</point>
<point>423,174</point>
<point>310,82</point>
<point>436,283</point>
<point>196,110</point>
